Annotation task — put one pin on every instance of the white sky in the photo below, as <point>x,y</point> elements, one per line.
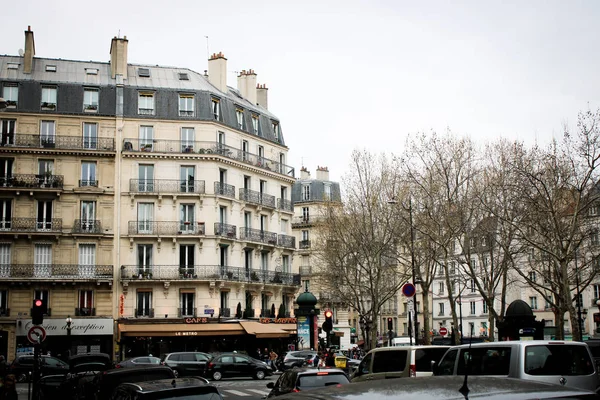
<point>355,74</point>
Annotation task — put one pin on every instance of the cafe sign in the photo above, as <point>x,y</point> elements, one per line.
<point>79,326</point>
<point>278,320</point>
<point>195,320</point>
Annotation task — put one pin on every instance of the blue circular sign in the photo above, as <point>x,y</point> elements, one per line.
<point>408,290</point>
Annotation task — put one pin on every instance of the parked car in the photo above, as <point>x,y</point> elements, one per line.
<point>22,366</point>
<point>445,387</point>
<point>138,361</point>
<point>187,363</point>
<point>398,362</point>
<point>301,379</point>
<point>236,365</point>
<point>594,345</point>
<point>184,388</point>
<point>558,362</point>
<point>297,359</point>
<point>105,383</point>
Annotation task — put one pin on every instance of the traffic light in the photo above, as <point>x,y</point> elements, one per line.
<point>390,324</point>
<point>328,324</point>
<point>37,312</point>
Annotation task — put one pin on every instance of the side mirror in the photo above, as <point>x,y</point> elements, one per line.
<point>271,385</point>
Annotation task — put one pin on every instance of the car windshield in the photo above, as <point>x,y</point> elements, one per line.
<point>320,380</point>
<point>558,360</point>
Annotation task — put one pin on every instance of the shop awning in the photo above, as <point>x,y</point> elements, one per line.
<point>156,329</point>
<point>267,331</point>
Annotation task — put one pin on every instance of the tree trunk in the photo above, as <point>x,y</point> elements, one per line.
<point>425,315</point>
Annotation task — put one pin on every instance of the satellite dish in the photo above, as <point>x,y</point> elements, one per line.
<point>21,52</point>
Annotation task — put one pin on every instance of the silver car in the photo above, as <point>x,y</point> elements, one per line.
<point>559,362</point>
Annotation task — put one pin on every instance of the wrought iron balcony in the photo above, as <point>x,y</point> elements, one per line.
<point>258,198</point>
<point>258,235</point>
<point>85,312</point>
<point>302,221</point>
<point>166,186</point>
<point>56,271</point>
<point>4,312</point>
<point>285,205</point>
<point>207,272</point>
<point>32,181</point>
<point>86,183</point>
<point>225,190</point>
<point>304,244</point>
<point>183,312</point>
<point>225,230</point>
<point>87,226</point>
<point>389,311</point>
<point>305,270</point>
<point>286,241</point>
<point>266,313</point>
<point>225,312</point>
<point>166,228</point>
<point>58,142</point>
<point>144,312</point>
<point>204,149</point>
<point>248,313</point>
<point>18,225</point>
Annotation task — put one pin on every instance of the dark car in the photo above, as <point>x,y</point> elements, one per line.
<point>236,365</point>
<point>104,383</point>
<point>180,388</point>
<point>301,379</point>
<point>297,358</point>
<point>447,388</point>
<point>138,361</point>
<point>22,366</point>
<point>187,363</point>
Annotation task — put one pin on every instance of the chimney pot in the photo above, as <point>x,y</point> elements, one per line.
<point>217,71</point>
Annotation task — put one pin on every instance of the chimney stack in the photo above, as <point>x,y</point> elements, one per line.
<point>261,96</point>
<point>217,71</point>
<point>322,173</point>
<point>29,51</point>
<point>304,174</point>
<point>118,57</point>
<point>247,85</point>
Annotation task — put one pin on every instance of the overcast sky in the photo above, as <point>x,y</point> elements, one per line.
<point>355,74</point>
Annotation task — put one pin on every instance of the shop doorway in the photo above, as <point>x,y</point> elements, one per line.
<point>4,344</point>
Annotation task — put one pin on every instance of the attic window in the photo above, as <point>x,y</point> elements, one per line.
<point>144,72</point>
<point>183,76</point>
<point>12,66</point>
<point>50,68</point>
<point>91,71</point>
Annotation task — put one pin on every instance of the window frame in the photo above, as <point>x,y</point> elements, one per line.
<point>148,101</point>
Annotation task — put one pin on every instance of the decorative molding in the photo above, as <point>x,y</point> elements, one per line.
<point>166,289</point>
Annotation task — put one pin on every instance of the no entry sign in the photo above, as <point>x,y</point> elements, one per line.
<point>36,334</point>
<point>443,331</point>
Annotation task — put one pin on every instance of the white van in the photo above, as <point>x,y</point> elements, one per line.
<point>401,341</point>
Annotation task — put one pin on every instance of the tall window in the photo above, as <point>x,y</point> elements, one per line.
<point>90,100</point>
<point>245,150</point>
<point>7,130</point>
<point>441,309</point>
<point>327,192</point>
<point>305,214</point>
<point>187,140</point>
<point>90,135</point>
<point>48,98</point>
<point>186,105</point>
<point>596,291</point>
<point>239,115</point>
<point>47,134</point>
<point>276,132</point>
<point>146,178</point>
<point>285,263</point>
<point>146,138</point>
<point>485,308</point>
<point>88,173</point>
<point>10,93</point>
<point>145,217</point>
<point>44,215</point>
<point>186,304</point>
<point>305,192</point>
<point>594,238</point>
<point>86,302</point>
<point>216,109</point>
<point>472,307</point>
<point>5,214</point>
<point>186,260</point>
<point>5,259</point>
<point>4,302</point>
<point>87,260</point>
<point>264,260</point>
<point>144,259</point>
<point>186,176</point>
<point>88,215</point>
<point>225,311</point>
<point>255,124</point>
<point>146,103</point>
<point>533,302</point>
<point>42,256</point>
<point>144,304</point>
<point>186,218</point>
<point>440,287</point>
<point>532,276</point>
<point>305,236</point>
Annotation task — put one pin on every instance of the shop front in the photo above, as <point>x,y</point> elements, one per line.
<point>83,335</point>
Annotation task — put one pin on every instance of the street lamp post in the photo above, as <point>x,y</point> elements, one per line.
<point>69,321</point>
<point>579,321</point>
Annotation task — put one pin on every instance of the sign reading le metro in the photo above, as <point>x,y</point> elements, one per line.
<point>79,326</point>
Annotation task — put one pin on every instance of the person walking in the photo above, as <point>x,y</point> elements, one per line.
<point>272,358</point>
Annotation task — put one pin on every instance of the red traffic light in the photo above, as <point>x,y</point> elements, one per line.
<point>38,303</point>
<point>328,314</point>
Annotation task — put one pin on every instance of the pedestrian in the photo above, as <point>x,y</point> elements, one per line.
<point>273,357</point>
<point>9,390</point>
<point>3,367</point>
<point>266,356</point>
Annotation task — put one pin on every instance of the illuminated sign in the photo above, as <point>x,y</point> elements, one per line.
<point>194,320</point>
<point>278,320</point>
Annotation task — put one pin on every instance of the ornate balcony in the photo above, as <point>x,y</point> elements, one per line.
<point>225,230</point>
<point>57,142</point>
<point>225,312</point>
<point>159,186</point>
<point>31,225</point>
<point>257,198</point>
<point>305,270</point>
<point>225,190</point>
<point>389,311</point>
<point>285,205</point>
<point>56,271</point>
<point>258,235</point>
<point>286,241</point>
<point>32,181</point>
<point>304,244</point>
<point>85,312</point>
<point>166,228</point>
<point>144,312</point>
<point>87,226</point>
<point>302,221</point>
<point>205,149</point>
<point>182,312</point>
<point>207,273</point>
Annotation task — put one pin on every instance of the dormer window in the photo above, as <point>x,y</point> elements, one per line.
<point>239,115</point>
<point>50,68</point>
<point>275,126</point>
<point>91,71</point>
<point>216,109</point>
<point>144,72</point>
<point>186,105</point>
<point>146,103</point>
<point>12,66</point>
<point>49,98</point>
<point>255,124</point>
<point>90,100</point>
<point>10,94</point>
<point>183,76</point>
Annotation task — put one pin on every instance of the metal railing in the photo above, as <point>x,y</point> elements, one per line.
<point>205,148</point>
<point>166,186</point>
<point>225,230</point>
<point>182,312</point>
<point>87,226</point>
<point>56,271</point>
<point>258,198</point>
<point>258,235</point>
<point>19,224</point>
<point>285,205</point>
<point>286,241</point>
<point>225,190</point>
<point>58,142</point>
<point>266,313</point>
<point>32,181</point>
<point>144,312</point>
<point>225,312</point>
<point>208,272</point>
<point>305,270</point>
<point>389,311</point>
<point>87,182</point>
<point>85,312</point>
<point>304,244</point>
<point>169,228</point>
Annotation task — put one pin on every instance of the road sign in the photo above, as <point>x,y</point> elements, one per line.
<point>408,290</point>
<point>443,331</point>
<point>36,334</point>
<point>410,304</point>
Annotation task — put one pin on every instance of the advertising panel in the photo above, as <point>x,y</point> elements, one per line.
<point>303,333</point>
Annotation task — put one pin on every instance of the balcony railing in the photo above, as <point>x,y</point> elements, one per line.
<point>166,186</point>
<point>286,241</point>
<point>305,270</point>
<point>225,230</point>
<point>87,226</point>
<point>32,181</point>
<point>302,220</point>
<point>225,190</point>
<point>166,228</point>
<point>205,148</point>
<point>144,312</point>
<point>266,313</point>
<point>56,271</point>
<point>258,235</point>
<point>285,205</point>
<point>389,311</point>
<point>85,312</point>
<point>58,142</point>
<point>16,225</point>
<point>4,312</point>
<point>88,183</point>
<point>208,272</point>
<point>258,198</point>
<point>248,313</point>
<point>183,312</point>
<point>304,244</point>
<point>225,312</point>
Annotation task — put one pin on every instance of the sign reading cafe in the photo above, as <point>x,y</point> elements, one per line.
<point>79,326</point>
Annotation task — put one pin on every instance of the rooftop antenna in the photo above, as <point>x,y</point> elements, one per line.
<point>207,52</point>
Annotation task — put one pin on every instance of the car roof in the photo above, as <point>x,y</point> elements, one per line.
<point>169,384</point>
<point>521,343</point>
<point>315,371</point>
<point>415,347</point>
<point>136,370</point>
<point>445,387</point>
